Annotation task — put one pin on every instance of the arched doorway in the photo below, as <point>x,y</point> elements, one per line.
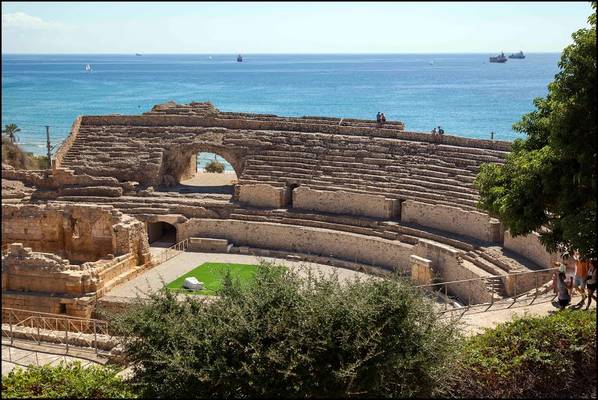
<point>209,173</point>
<point>161,234</point>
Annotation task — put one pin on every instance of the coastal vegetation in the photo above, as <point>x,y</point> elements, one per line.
<point>287,335</point>
<point>66,380</point>
<point>549,179</point>
<point>531,357</point>
<point>13,155</point>
<point>214,166</point>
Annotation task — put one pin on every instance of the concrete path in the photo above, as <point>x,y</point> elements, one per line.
<point>477,318</point>
<point>165,273</point>
<point>24,354</point>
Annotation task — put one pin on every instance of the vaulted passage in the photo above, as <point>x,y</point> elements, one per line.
<point>208,173</point>
<point>161,233</point>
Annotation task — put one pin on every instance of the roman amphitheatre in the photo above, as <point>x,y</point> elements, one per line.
<point>344,193</point>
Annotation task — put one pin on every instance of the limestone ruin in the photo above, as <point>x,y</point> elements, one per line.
<point>341,191</point>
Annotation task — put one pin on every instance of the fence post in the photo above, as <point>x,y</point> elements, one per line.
<point>10,326</point>
<point>38,335</point>
<point>95,336</point>
<point>469,295</point>
<point>445,296</point>
<point>66,336</point>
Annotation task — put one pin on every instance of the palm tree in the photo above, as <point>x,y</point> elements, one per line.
<point>11,131</point>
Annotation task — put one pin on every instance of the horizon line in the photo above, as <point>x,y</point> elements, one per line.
<point>322,53</point>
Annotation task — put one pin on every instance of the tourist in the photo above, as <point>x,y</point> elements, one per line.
<point>440,131</point>
<point>434,131</point>
<point>382,119</point>
<point>591,283</point>
<point>378,117</point>
<point>581,276</point>
<point>562,288</point>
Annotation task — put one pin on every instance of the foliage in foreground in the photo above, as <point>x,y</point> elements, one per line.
<point>284,335</point>
<point>64,380</point>
<point>549,179</point>
<point>14,156</point>
<point>214,166</point>
<point>531,357</point>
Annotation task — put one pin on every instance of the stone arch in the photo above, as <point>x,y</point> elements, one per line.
<point>161,231</point>
<point>179,162</point>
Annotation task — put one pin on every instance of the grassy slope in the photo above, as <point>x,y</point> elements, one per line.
<point>211,275</point>
<point>14,156</point>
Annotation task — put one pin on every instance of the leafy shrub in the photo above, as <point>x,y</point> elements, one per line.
<point>552,356</point>
<point>290,336</point>
<point>214,166</point>
<point>64,380</point>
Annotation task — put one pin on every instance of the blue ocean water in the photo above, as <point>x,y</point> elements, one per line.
<point>464,93</point>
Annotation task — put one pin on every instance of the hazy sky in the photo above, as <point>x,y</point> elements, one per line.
<point>392,27</point>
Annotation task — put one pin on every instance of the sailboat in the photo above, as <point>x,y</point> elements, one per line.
<point>239,58</point>
<point>87,68</point>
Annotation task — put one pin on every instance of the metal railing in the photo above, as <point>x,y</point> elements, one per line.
<point>171,252</point>
<point>442,290</point>
<point>57,329</point>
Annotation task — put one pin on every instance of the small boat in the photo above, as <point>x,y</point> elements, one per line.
<point>499,59</point>
<point>209,57</point>
<point>519,55</point>
<point>138,54</point>
<point>239,58</point>
<point>432,62</point>
<point>88,68</point>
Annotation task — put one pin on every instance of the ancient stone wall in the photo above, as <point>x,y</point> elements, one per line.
<point>343,245</point>
<point>342,202</point>
<point>529,246</point>
<point>447,266</point>
<point>79,233</point>
<point>452,219</point>
<point>262,195</point>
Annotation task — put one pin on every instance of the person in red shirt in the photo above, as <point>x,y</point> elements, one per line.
<point>581,276</point>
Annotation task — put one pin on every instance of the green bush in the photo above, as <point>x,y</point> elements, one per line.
<point>285,335</point>
<point>552,356</point>
<point>214,166</point>
<point>64,380</point>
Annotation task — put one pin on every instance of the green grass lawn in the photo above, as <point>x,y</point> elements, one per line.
<point>211,275</point>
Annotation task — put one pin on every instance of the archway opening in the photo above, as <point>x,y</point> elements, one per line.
<point>161,234</point>
<point>289,193</point>
<point>208,173</point>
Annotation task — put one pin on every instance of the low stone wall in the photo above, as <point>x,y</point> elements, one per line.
<point>529,246</point>
<point>447,266</point>
<point>208,245</point>
<point>66,145</point>
<point>342,202</point>
<point>452,219</point>
<point>262,195</point>
<point>343,245</point>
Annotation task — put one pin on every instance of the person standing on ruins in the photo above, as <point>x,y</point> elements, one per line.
<point>382,119</point>
<point>378,117</point>
<point>434,131</point>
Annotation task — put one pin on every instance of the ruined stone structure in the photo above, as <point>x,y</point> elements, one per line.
<point>345,189</point>
<point>58,258</point>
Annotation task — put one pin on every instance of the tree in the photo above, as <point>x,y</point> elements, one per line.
<point>11,131</point>
<point>548,182</point>
<point>287,335</point>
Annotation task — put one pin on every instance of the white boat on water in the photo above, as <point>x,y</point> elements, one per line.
<point>88,68</point>
<point>432,62</point>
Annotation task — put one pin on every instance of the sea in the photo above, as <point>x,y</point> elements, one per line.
<point>463,93</point>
